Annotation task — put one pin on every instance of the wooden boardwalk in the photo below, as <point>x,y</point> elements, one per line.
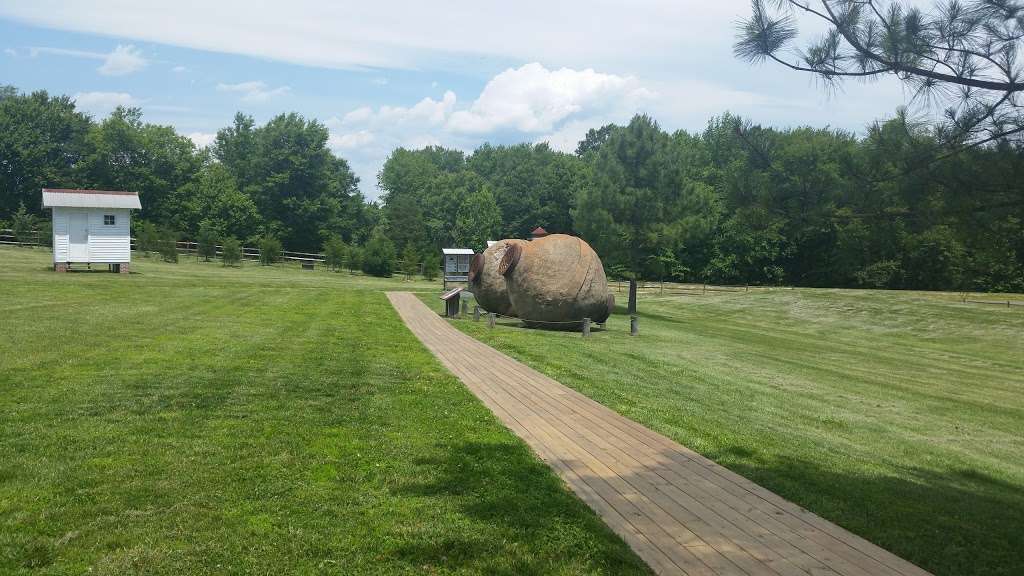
<point>680,512</point>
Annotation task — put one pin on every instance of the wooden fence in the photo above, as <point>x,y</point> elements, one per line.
<point>621,286</point>
<point>7,237</point>
<point>184,247</point>
<point>248,253</point>
<point>681,289</point>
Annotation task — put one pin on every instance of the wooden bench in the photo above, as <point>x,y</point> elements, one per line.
<point>307,264</point>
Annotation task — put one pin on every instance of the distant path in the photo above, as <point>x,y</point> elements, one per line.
<point>680,512</point>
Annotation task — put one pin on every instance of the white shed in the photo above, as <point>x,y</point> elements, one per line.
<point>91,227</point>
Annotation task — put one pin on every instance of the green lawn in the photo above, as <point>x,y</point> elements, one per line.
<point>900,416</point>
<point>195,419</point>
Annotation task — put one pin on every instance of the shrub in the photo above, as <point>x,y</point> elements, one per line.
<point>45,229</point>
<point>934,260</point>
<point>147,237</point>
<point>207,240</point>
<point>430,267</point>
<point>24,225</point>
<point>231,251</point>
<point>270,250</point>
<point>334,253</point>
<point>379,255</point>
<point>168,245</point>
<point>354,258</point>
<point>410,262</point>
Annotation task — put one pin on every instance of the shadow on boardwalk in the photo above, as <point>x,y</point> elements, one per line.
<point>951,522</point>
<point>527,512</point>
<point>923,517</point>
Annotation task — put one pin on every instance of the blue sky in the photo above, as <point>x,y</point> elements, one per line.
<point>395,73</point>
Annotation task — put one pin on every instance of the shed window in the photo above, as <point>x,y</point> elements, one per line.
<point>108,220</point>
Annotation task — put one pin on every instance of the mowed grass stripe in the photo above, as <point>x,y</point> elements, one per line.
<point>899,416</point>
<point>637,485</point>
<point>199,420</point>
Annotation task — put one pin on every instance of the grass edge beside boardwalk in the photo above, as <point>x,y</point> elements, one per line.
<point>897,415</point>
<point>194,419</point>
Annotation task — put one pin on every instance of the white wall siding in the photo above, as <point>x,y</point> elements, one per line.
<point>109,243</point>
<point>60,235</point>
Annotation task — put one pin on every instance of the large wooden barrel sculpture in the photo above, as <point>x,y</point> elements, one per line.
<point>556,279</point>
<point>486,283</point>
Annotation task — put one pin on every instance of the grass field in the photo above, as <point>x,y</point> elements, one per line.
<point>900,416</point>
<point>192,419</point>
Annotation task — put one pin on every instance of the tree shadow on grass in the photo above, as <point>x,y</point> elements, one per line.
<point>529,523</point>
<point>956,521</point>
<point>950,522</point>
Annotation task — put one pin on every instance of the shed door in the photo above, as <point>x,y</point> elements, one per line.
<point>78,236</point>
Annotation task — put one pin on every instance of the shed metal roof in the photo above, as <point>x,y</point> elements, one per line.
<point>463,251</point>
<point>70,198</point>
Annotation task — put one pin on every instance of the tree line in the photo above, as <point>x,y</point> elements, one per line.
<point>276,180</point>
<point>734,203</point>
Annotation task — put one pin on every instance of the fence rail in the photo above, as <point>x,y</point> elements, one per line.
<point>183,246</point>
<point>669,289</point>
<point>7,237</point>
<point>1007,303</point>
<point>249,253</point>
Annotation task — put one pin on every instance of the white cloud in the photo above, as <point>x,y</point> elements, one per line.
<point>416,141</point>
<point>379,81</point>
<point>179,69</point>
<point>122,60</point>
<point>35,51</point>
<point>357,116</point>
<point>101,103</point>
<point>10,52</point>
<point>254,91</point>
<point>350,140</point>
<point>574,33</point>
<point>427,112</point>
<point>532,98</point>
<point>528,99</point>
<point>202,139</point>
<point>569,135</point>
<point>523,101</point>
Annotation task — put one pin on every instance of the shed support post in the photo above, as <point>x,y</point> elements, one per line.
<point>634,327</point>
<point>586,327</point>
<point>490,320</point>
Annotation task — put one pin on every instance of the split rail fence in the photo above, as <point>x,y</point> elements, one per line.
<point>8,237</point>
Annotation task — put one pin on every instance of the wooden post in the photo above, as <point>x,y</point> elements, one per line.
<point>476,313</point>
<point>586,327</point>
<point>490,319</point>
<point>634,327</point>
